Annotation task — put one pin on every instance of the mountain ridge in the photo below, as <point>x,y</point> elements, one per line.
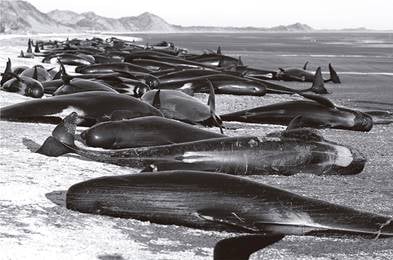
<point>22,16</point>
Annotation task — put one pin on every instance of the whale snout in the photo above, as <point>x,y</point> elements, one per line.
<point>96,138</point>
<point>362,122</point>
<point>355,166</point>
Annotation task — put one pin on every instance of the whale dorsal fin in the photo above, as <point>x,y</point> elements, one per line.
<point>36,48</point>
<point>212,105</point>
<point>333,75</point>
<point>63,137</point>
<point>65,131</point>
<point>57,75</point>
<point>240,62</point>
<point>219,50</point>
<point>281,69</point>
<point>29,50</point>
<point>6,76</point>
<point>64,76</point>
<point>156,100</point>
<point>35,74</point>
<point>318,85</point>
<point>241,247</point>
<point>305,65</point>
<point>321,100</point>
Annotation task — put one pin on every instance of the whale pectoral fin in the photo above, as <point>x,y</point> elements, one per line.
<point>241,247</point>
<point>227,217</point>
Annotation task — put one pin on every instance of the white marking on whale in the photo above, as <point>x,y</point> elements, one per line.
<point>344,156</point>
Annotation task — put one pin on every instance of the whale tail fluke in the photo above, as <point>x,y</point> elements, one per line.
<point>62,139</point>
<point>333,75</point>
<point>318,85</point>
<point>241,247</point>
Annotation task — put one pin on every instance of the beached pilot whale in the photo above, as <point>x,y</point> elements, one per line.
<point>23,85</point>
<point>219,202</point>
<point>316,112</point>
<point>296,74</point>
<point>143,131</point>
<point>284,153</point>
<point>178,105</point>
<point>92,107</point>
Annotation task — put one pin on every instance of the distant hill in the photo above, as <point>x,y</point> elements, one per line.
<point>21,16</point>
<point>92,22</point>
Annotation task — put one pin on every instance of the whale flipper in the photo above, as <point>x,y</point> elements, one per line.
<point>241,247</point>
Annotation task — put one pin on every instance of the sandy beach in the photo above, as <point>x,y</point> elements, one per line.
<point>34,223</point>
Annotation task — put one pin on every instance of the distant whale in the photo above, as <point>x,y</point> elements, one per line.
<point>295,74</point>
<point>220,202</point>
<point>285,153</point>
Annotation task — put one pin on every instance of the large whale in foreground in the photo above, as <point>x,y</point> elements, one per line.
<point>285,153</point>
<point>220,202</point>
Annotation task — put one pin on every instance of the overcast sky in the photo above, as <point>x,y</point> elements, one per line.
<point>326,14</point>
